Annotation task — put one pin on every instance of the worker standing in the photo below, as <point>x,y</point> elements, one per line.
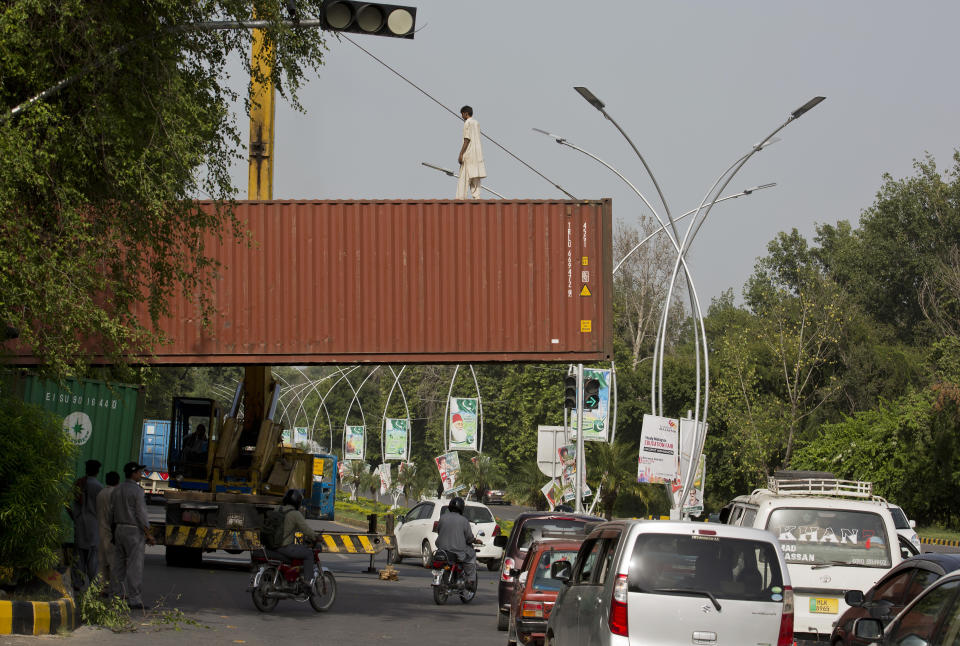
<point>472,168</point>
<point>131,530</point>
<point>84,514</point>
<point>104,511</point>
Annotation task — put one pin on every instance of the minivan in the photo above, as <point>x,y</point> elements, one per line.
<point>835,536</point>
<point>673,583</point>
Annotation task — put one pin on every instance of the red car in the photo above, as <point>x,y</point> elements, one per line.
<point>535,591</point>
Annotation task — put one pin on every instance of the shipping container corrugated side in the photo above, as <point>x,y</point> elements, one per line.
<point>103,420</point>
<point>154,444</point>
<point>406,282</point>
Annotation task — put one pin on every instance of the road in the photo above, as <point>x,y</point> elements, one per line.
<point>367,610</point>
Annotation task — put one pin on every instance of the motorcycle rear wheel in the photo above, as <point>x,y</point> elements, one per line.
<point>323,592</point>
<point>260,594</point>
<point>442,590</point>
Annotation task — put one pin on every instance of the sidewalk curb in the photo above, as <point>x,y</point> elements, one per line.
<point>37,617</point>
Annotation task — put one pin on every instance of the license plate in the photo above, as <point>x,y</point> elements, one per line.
<point>824,606</point>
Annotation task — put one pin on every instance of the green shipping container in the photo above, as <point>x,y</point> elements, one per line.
<point>104,420</point>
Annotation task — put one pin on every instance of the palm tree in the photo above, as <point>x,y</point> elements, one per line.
<point>524,486</point>
<point>483,473</point>
<point>356,476</point>
<point>612,470</point>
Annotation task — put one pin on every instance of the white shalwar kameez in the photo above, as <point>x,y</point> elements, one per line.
<point>472,169</point>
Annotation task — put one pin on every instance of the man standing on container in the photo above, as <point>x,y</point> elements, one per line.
<point>472,168</point>
<point>84,514</point>
<point>132,528</point>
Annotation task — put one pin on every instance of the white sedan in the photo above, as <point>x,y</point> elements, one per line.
<point>416,532</point>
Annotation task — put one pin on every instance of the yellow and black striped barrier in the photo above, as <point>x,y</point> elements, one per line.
<point>212,538</point>
<point>37,617</point>
<point>349,543</point>
<point>940,541</point>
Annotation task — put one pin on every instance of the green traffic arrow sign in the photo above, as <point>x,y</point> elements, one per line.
<point>591,401</point>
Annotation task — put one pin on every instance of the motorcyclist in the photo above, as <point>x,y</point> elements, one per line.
<point>455,536</point>
<point>293,522</point>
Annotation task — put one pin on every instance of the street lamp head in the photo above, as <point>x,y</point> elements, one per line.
<point>765,143</point>
<point>748,191</point>
<point>590,97</point>
<point>558,138</point>
<point>439,168</point>
<point>806,107</point>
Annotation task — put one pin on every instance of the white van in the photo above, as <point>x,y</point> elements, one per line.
<point>835,536</point>
<point>669,583</point>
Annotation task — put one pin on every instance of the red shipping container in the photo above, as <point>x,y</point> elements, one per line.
<point>352,281</point>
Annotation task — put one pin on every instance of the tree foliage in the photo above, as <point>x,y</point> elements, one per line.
<point>98,185</point>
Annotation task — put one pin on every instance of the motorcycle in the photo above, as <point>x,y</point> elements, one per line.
<point>277,577</point>
<point>448,576</point>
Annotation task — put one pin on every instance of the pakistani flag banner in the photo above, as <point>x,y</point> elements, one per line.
<point>353,443</point>
<point>395,443</point>
<point>463,424</point>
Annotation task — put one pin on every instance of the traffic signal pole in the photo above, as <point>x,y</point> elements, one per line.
<point>580,461</point>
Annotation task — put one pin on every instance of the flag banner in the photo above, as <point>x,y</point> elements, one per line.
<point>463,424</point>
<point>353,444</point>
<point>395,444</point>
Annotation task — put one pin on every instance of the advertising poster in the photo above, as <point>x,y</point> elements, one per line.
<point>463,424</point>
<point>396,439</point>
<point>385,477</point>
<point>353,443</point>
<point>448,465</point>
<point>693,505</point>
<point>658,459</point>
<point>568,474</point>
<point>595,422</point>
<point>553,492</point>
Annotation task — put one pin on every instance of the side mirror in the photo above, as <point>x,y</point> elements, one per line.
<point>913,524</point>
<point>514,572</point>
<point>866,628</point>
<point>561,571</point>
<point>853,598</point>
<point>500,541</point>
<point>400,518</point>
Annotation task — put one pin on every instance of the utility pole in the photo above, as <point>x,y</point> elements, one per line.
<point>580,464</point>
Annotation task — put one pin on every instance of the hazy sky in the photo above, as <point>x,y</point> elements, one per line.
<point>695,84</point>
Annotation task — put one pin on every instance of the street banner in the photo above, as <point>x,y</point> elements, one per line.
<point>688,432</point>
<point>463,424</point>
<point>658,459</point>
<point>353,444</point>
<point>396,439</point>
<point>693,505</point>
<point>568,474</point>
<point>385,479</point>
<point>595,422</point>
<point>448,465</point>
<point>553,492</point>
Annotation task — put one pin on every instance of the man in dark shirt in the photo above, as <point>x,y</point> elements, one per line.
<point>455,536</point>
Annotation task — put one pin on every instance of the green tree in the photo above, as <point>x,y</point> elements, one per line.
<point>612,472</point>
<point>36,462</point>
<point>524,486</point>
<point>483,472</point>
<point>97,187</point>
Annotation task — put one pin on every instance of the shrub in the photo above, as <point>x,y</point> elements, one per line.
<point>36,466</point>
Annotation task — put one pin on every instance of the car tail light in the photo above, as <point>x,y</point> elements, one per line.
<point>496,530</point>
<point>508,564</point>
<point>786,619</point>
<point>533,609</point>
<point>618,607</point>
<point>436,524</point>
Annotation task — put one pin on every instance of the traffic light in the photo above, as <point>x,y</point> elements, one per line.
<point>591,394</point>
<point>570,391</point>
<point>373,18</point>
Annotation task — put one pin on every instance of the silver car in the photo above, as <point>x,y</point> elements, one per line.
<point>662,583</point>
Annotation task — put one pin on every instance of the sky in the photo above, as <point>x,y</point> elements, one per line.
<point>694,84</point>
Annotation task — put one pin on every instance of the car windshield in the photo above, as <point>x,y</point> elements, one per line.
<point>899,518</point>
<point>535,529</point>
<point>831,537</point>
<point>724,568</point>
<point>474,514</point>
<point>542,581</point>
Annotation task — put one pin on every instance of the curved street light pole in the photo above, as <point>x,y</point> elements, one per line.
<point>447,171</point>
